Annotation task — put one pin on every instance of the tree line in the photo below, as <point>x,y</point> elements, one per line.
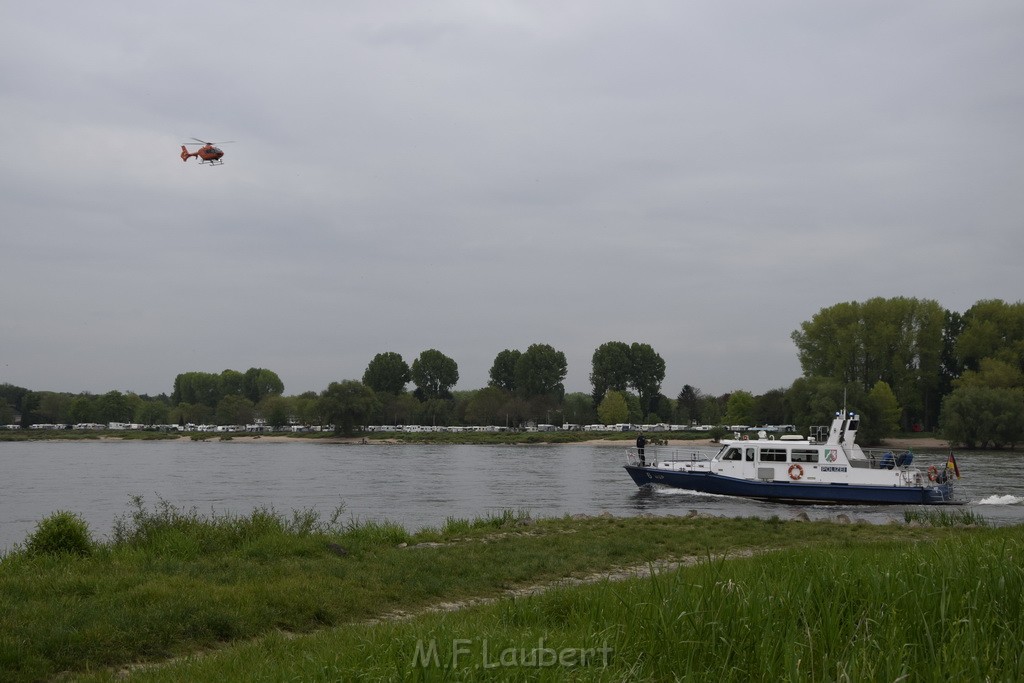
<point>960,374</point>
<point>902,363</point>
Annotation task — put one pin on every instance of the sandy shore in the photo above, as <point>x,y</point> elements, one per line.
<point>909,444</point>
<point>281,438</point>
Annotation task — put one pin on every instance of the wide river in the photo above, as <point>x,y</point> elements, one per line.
<point>413,485</point>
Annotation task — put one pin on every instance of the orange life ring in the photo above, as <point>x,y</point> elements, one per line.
<point>933,473</point>
<point>796,471</point>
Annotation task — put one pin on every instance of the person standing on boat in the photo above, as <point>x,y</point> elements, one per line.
<point>640,443</point>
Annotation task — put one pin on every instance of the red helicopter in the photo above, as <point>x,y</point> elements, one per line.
<point>209,153</point>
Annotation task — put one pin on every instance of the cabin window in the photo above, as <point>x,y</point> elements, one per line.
<point>805,455</point>
<point>750,455</point>
<point>773,455</point>
<point>733,454</point>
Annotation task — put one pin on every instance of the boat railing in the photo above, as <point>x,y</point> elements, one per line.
<point>653,456</point>
<point>877,459</point>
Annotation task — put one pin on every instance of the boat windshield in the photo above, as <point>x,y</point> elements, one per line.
<point>733,453</point>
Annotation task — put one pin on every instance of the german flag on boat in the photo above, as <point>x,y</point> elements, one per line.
<point>952,466</point>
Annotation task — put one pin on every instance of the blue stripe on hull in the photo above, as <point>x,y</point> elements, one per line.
<point>794,492</point>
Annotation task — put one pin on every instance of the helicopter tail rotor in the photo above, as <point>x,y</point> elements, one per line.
<point>184,153</point>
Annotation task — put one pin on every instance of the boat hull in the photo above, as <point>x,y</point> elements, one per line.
<point>793,492</point>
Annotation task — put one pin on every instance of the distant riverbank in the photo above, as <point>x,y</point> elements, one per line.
<point>508,438</point>
<point>921,442</point>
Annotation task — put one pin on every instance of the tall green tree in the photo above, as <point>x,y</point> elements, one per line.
<point>275,409</point>
<point>613,409</point>
<point>81,410</point>
<point>113,406</point>
<point>636,413</point>
<point>260,383</point>
<point>950,365</point>
<point>544,409</point>
<point>197,387</point>
<point>12,394</point>
<point>540,371</point>
<point>352,403</point>
<point>578,408</point>
<point>740,408</point>
<point>898,341</point>
<point>689,404</point>
<point>434,374</point>
<point>232,383</point>
<point>435,412</point>
<point>984,417</point>
<point>29,405</point>
<point>234,410</point>
<point>396,409</point>
<point>304,406</point>
<point>994,374</point>
<point>151,413</point>
<point>611,368</point>
<point>663,410</point>
<point>646,374</point>
<point>770,408</point>
<point>54,407</point>
<point>194,413</point>
<point>387,372</point>
<point>6,412</point>
<point>992,328</point>
<point>487,407</point>
<point>880,415</point>
<point>712,408</point>
<point>620,366</point>
<point>517,411</point>
<point>503,370</point>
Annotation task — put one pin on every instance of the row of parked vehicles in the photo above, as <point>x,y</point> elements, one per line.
<point>262,427</point>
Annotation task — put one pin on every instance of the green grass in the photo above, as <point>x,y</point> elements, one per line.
<point>944,518</point>
<point>173,582</point>
<point>888,611</point>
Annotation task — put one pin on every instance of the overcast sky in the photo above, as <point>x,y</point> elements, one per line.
<point>474,176</point>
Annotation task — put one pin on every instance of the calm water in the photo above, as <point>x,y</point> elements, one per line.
<point>415,486</point>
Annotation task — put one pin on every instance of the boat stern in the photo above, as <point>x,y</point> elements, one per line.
<point>943,494</point>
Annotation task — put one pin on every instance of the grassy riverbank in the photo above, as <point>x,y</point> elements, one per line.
<point>242,590</point>
<point>938,611</point>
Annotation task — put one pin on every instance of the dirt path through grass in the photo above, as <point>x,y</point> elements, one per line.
<point>612,574</point>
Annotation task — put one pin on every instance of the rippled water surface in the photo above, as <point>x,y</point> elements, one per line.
<point>415,486</point>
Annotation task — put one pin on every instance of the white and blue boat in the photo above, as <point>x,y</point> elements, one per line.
<point>828,466</point>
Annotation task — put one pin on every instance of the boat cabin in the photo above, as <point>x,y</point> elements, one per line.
<point>828,454</point>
